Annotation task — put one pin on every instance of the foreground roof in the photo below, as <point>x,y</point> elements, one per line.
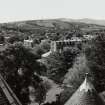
<point>85,95</point>
<point>7,97</point>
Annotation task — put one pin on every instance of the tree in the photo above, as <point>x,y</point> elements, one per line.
<point>2,39</point>
<point>14,39</point>
<point>95,54</point>
<point>74,77</point>
<point>18,66</point>
<point>38,50</point>
<point>45,45</point>
<point>57,63</point>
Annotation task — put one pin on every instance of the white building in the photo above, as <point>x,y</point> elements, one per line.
<point>88,37</point>
<point>28,42</point>
<point>76,39</point>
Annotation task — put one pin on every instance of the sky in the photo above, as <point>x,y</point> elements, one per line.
<point>18,10</point>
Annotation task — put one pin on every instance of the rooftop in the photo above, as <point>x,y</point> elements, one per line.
<point>85,95</point>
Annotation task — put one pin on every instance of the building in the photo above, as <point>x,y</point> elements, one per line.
<point>76,39</point>
<point>53,46</point>
<point>28,42</point>
<point>58,46</point>
<point>85,95</point>
<point>6,39</point>
<point>89,37</point>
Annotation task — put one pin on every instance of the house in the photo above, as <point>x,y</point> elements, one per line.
<point>28,42</point>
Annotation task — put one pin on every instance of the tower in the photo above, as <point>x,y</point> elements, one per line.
<point>53,46</point>
<point>85,95</point>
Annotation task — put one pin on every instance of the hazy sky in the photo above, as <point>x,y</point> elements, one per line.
<point>14,10</point>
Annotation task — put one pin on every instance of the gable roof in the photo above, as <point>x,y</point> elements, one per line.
<point>85,95</point>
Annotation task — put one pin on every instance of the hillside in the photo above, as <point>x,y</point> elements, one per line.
<point>85,20</point>
<point>55,28</point>
<point>51,24</point>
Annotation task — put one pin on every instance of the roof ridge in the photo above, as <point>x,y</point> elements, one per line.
<point>85,95</point>
<point>87,85</point>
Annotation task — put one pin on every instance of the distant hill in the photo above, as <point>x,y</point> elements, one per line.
<point>38,28</point>
<point>85,20</point>
<point>56,24</point>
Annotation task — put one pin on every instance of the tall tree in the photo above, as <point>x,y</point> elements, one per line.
<point>74,77</point>
<point>2,39</point>
<point>96,61</point>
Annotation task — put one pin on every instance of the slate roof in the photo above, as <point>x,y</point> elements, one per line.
<point>7,97</point>
<point>85,95</point>
<point>3,99</point>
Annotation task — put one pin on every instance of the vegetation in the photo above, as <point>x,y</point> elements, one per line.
<point>67,69</point>
<point>75,76</point>
<point>96,61</point>
<point>19,64</point>
<point>57,63</point>
<point>2,40</point>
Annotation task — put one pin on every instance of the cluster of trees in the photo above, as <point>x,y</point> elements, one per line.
<point>57,63</point>
<point>2,39</point>
<point>95,53</point>
<point>14,39</point>
<point>75,76</point>
<point>92,61</point>
<point>18,63</point>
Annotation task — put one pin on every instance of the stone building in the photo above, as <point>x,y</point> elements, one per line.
<point>28,42</point>
<point>58,46</point>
